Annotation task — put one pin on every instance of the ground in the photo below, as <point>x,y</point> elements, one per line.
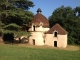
<point>69,47</point>
<point>32,52</point>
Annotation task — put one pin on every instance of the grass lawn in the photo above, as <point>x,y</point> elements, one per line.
<point>21,52</point>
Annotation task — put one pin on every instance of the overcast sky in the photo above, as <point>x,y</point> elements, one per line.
<point>48,6</point>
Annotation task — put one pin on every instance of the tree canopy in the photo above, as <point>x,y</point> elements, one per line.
<point>13,10</point>
<point>13,14</point>
<point>69,19</point>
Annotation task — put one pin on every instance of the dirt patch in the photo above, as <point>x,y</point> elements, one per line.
<point>1,42</point>
<point>69,47</point>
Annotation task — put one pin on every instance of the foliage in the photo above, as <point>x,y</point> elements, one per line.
<point>1,28</point>
<point>24,4</point>
<point>16,52</point>
<point>8,36</point>
<point>7,32</point>
<point>69,19</point>
<point>13,14</point>
<point>21,33</point>
<point>1,33</point>
<point>13,27</point>
<point>15,11</point>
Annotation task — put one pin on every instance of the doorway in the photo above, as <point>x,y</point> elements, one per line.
<point>33,41</point>
<point>55,43</point>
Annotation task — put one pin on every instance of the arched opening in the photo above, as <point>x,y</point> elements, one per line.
<point>33,41</point>
<point>34,27</point>
<point>55,43</point>
<point>55,34</point>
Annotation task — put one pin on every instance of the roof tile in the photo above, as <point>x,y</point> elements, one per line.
<point>58,28</point>
<point>39,18</point>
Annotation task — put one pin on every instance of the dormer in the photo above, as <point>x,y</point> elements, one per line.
<point>55,33</point>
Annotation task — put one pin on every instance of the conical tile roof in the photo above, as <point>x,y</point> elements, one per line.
<point>39,18</point>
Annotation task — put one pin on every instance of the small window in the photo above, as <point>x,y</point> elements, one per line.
<point>55,34</point>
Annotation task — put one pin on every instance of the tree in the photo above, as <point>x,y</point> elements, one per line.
<point>77,14</point>
<point>66,17</point>
<point>77,11</point>
<point>15,13</point>
<point>15,8</point>
<point>24,4</point>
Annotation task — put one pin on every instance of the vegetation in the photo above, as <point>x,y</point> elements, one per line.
<point>69,19</point>
<point>15,13</point>
<point>13,27</point>
<point>15,52</point>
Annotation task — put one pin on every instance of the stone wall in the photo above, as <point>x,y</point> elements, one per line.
<point>60,39</point>
<point>36,38</point>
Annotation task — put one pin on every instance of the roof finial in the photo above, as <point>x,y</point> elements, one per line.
<point>39,10</point>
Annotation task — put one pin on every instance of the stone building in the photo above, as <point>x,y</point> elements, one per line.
<point>41,34</point>
<point>56,36</point>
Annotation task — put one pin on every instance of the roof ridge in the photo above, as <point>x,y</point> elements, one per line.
<point>60,29</point>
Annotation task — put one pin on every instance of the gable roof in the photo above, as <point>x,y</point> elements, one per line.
<point>57,28</point>
<point>39,18</point>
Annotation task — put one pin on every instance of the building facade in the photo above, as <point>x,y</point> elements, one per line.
<point>41,34</point>
<point>56,36</point>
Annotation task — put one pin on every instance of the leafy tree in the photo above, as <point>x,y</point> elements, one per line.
<point>77,11</point>
<point>24,4</point>
<point>18,9</point>
<point>13,14</point>
<point>67,18</point>
<point>77,14</point>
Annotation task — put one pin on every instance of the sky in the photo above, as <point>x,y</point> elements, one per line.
<point>48,6</point>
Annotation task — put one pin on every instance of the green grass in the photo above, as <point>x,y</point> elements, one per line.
<point>15,52</point>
